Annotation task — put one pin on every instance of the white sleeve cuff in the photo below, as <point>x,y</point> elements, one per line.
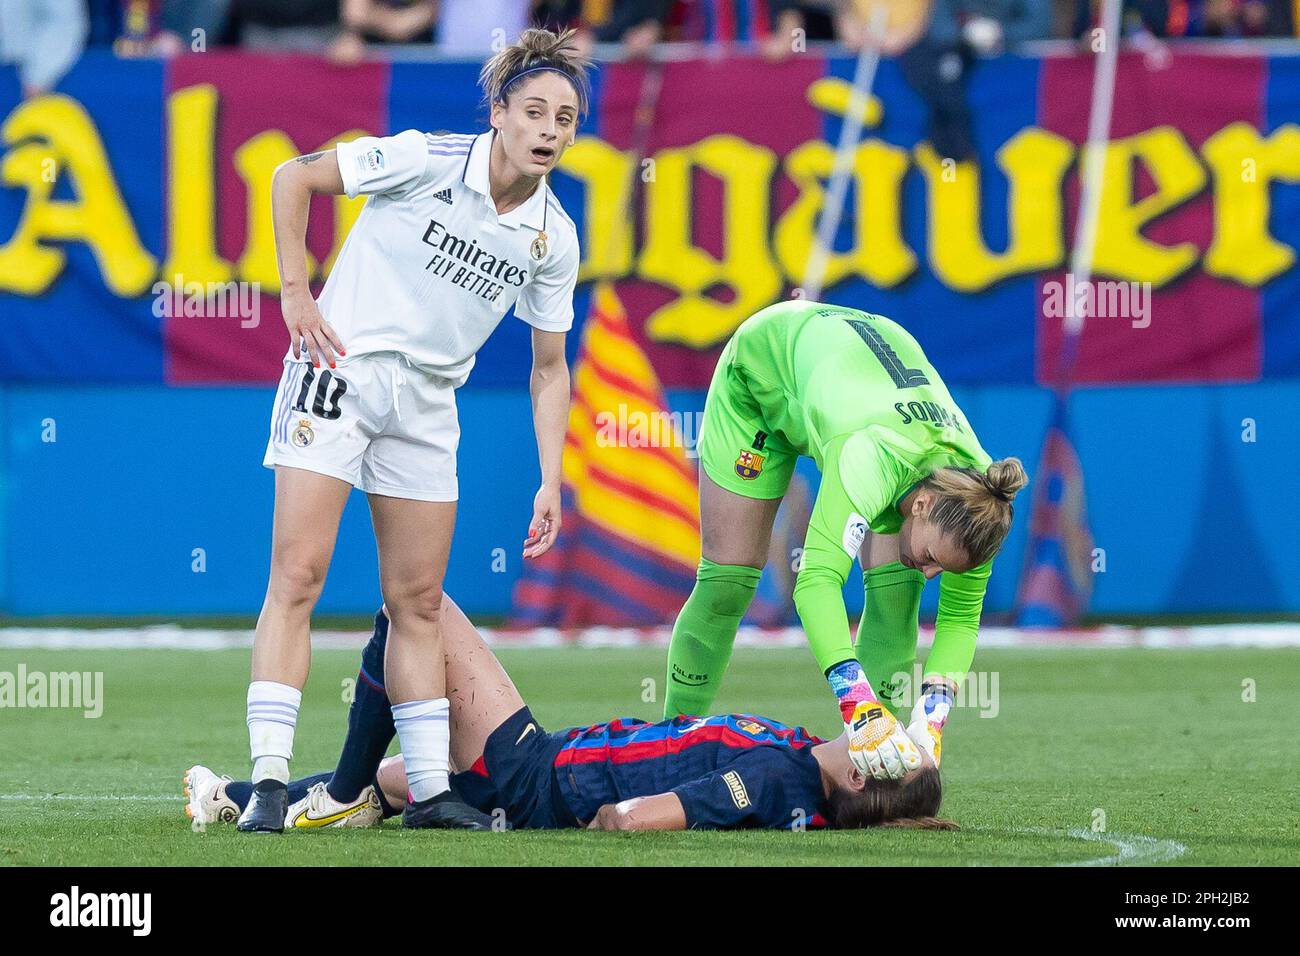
<point>346,157</point>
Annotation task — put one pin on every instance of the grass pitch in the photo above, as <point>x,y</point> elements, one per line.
<point>1155,747</point>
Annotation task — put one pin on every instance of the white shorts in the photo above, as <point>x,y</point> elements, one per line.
<point>376,422</point>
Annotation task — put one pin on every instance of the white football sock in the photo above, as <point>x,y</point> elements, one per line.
<point>425,735</point>
<point>272,717</point>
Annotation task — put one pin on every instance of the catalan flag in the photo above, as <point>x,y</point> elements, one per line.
<point>1056,581</point>
<point>630,538</point>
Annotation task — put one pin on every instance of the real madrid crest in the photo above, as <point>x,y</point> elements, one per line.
<point>303,435</point>
<point>539,246</point>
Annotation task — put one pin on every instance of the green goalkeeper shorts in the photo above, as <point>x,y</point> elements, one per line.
<point>736,446</point>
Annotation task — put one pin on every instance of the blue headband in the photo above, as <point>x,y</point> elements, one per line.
<point>539,69</point>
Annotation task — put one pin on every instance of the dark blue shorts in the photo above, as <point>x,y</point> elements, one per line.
<point>517,774</point>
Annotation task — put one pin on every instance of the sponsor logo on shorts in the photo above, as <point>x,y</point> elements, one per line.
<point>739,795</point>
<point>749,466</point>
<point>531,728</point>
<point>303,435</point>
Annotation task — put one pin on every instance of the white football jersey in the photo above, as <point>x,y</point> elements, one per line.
<point>429,268</point>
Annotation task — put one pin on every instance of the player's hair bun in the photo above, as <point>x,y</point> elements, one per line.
<point>1006,477</point>
<point>975,506</point>
<point>537,50</point>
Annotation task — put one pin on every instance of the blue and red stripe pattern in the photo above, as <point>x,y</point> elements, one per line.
<point>731,770</point>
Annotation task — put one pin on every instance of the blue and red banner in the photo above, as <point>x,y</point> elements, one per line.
<point>138,177</point>
<point>136,250</point>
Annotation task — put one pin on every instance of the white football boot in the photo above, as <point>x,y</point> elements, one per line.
<point>206,798</point>
<point>318,810</point>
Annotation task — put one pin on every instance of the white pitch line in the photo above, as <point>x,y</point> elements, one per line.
<point>124,797</point>
<point>172,637</point>
<point>1134,849</point>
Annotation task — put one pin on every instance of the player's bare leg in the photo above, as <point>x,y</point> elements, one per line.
<point>735,534</point>
<point>307,511</point>
<point>308,507</point>
<point>414,539</point>
<point>481,694</point>
<point>734,529</point>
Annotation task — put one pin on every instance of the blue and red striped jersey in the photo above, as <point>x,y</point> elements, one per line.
<point>729,771</point>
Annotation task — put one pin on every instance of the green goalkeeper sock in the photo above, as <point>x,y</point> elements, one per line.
<point>704,634</point>
<point>886,643</point>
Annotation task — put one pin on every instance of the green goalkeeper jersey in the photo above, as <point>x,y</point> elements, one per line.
<point>855,392</point>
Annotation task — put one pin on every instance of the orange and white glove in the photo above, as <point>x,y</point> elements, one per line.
<point>930,714</point>
<point>878,744</point>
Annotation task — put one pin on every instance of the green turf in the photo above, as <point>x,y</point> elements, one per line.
<point>1159,740</point>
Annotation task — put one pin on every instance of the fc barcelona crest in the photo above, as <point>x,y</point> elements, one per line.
<point>749,466</point>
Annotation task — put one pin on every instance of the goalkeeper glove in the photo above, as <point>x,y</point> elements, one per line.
<point>878,745</point>
<point>930,714</point>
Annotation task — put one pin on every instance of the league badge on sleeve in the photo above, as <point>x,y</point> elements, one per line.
<point>749,466</point>
<point>855,532</point>
<point>372,161</point>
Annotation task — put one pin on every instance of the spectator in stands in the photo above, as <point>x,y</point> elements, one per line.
<point>1148,18</point>
<point>936,65</point>
<point>106,18</point>
<point>809,21</point>
<point>1230,18</point>
<point>991,27</point>
<point>306,25</point>
<point>382,21</point>
<point>342,28</point>
<point>191,25</point>
<point>478,26</point>
<point>637,24</point>
<point>723,21</point>
<point>43,38</point>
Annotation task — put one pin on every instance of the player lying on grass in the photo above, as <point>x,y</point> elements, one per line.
<point>724,772</point>
<point>905,487</point>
